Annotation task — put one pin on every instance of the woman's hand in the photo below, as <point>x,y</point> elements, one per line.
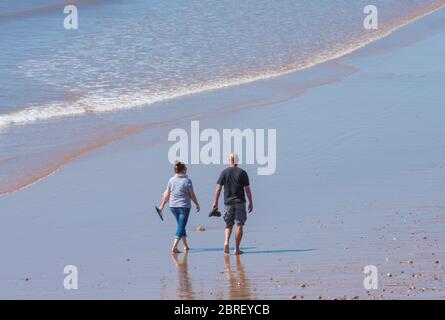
<point>198,208</point>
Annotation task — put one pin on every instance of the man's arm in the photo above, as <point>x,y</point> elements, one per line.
<point>249,197</point>
<point>217,194</point>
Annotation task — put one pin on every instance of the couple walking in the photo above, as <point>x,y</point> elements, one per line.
<point>179,194</point>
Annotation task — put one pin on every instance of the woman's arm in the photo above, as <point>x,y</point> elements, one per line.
<point>195,200</point>
<point>165,199</point>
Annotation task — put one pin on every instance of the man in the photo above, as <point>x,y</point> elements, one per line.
<point>236,184</point>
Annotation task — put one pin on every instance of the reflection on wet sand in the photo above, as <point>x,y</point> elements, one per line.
<point>184,289</point>
<point>239,287</point>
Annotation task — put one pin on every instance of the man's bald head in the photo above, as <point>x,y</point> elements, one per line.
<point>233,159</point>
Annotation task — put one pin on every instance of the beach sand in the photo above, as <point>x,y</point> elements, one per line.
<point>359,181</point>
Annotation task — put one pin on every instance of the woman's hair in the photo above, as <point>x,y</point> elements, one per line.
<point>179,167</point>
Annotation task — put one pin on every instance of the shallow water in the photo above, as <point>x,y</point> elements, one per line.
<point>134,53</point>
<point>144,53</point>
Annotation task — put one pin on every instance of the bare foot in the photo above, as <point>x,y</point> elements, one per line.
<point>226,249</point>
<point>238,252</point>
<point>186,249</point>
<point>175,250</point>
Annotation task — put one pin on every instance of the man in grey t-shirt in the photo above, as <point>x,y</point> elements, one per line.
<point>236,182</point>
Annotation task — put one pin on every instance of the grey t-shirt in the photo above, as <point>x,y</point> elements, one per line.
<point>180,188</point>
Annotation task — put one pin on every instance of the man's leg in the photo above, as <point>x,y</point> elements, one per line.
<point>238,237</point>
<point>229,219</point>
<point>228,233</point>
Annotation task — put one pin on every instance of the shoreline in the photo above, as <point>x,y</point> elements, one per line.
<point>78,150</point>
<point>292,68</point>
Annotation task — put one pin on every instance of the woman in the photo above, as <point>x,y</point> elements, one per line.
<point>178,194</point>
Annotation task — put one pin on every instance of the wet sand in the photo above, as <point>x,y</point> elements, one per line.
<point>359,181</point>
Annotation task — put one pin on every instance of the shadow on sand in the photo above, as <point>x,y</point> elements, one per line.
<point>250,250</point>
<point>280,251</point>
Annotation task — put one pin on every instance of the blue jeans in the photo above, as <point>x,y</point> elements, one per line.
<point>181,215</point>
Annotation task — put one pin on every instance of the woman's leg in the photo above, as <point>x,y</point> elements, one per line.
<point>186,245</point>
<point>176,212</point>
<point>175,246</point>
<point>182,223</point>
<point>183,216</point>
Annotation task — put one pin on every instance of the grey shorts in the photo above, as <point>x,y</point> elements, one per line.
<point>235,213</point>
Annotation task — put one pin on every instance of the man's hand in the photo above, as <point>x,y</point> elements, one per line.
<point>217,193</point>
<point>249,197</point>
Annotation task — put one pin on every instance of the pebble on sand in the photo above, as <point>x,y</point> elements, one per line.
<point>200,229</point>
<point>293,297</point>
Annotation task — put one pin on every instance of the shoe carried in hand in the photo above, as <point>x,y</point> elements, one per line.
<point>159,211</point>
<point>215,213</point>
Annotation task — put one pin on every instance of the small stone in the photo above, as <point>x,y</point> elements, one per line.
<point>27,279</point>
<point>293,297</point>
<point>389,275</point>
<point>303,285</point>
<point>436,262</point>
<point>200,229</point>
